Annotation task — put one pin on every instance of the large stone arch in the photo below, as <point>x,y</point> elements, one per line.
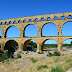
<point>66,44</point>
<point>8,28</point>
<point>11,45</point>
<point>67,21</point>
<point>48,23</point>
<point>26,42</point>
<point>27,26</point>
<point>66,39</point>
<point>44,42</point>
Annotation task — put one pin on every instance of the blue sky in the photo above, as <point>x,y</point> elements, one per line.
<point>21,8</point>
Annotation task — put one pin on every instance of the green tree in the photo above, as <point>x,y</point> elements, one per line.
<point>71,42</point>
<point>32,44</point>
<point>11,46</point>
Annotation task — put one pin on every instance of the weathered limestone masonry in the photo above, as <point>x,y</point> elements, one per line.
<point>22,41</point>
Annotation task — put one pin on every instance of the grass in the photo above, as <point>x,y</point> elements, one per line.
<point>69,60</point>
<point>18,56</point>
<point>56,53</point>
<point>44,64</point>
<point>41,52</point>
<point>42,67</point>
<point>57,69</point>
<point>33,60</point>
<point>56,59</point>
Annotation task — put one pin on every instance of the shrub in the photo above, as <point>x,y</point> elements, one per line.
<point>41,67</point>
<point>57,53</point>
<point>50,54</point>
<point>47,55</point>
<point>40,52</point>
<point>11,55</point>
<point>1,51</point>
<point>18,56</point>
<point>56,69</point>
<point>27,52</point>
<point>46,50</point>
<point>33,60</point>
<point>34,51</point>
<point>5,55</point>
<point>68,60</point>
<point>20,52</point>
<point>56,59</point>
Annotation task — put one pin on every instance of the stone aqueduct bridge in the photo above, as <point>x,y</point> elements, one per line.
<point>22,41</point>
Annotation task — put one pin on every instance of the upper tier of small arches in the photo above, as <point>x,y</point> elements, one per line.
<point>35,19</point>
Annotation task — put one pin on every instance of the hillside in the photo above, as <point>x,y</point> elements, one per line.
<point>34,62</point>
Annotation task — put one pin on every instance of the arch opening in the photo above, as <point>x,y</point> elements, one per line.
<point>67,45</point>
<point>42,19</point>
<point>49,45</point>
<point>55,18</point>
<point>36,19</point>
<point>24,21</point>
<point>11,46</point>
<point>30,20</point>
<point>49,29</point>
<point>30,45</point>
<point>14,22</point>
<point>67,29</point>
<point>30,30</point>
<point>12,32</point>
<point>69,17</point>
<point>19,21</point>
<point>5,22</point>
<point>1,23</point>
<point>10,22</point>
<point>62,17</point>
<point>48,18</point>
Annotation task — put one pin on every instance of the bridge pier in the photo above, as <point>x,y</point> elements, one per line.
<point>2,47</point>
<point>60,47</point>
<point>39,49</point>
<point>20,47</point>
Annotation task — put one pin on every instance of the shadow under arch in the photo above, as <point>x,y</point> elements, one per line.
<point>11,46</point>
<point>48,24</point>
<point>36,33</point>
<point>9,28</point>
<point>47,40</point>
<point>25,48</point>
<point>64,32</point>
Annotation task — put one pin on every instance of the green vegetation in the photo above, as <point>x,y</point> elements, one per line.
<point>5,55</point>
<point>55,45</point>
<point>50,46</point>
<point>41,52</point>
<point>68,60</point>
<point>32,44</point>
<point>27,52</point>
<point>57,69</point>
<point>56,53</point>
<point>18,56</point>
<point>49,54</point>
<point>34,51</point>
<point>11,46</point>
<point>42,67</point>
<point>33,60</point>
<point>68,45</point>
<point>56,59</point>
